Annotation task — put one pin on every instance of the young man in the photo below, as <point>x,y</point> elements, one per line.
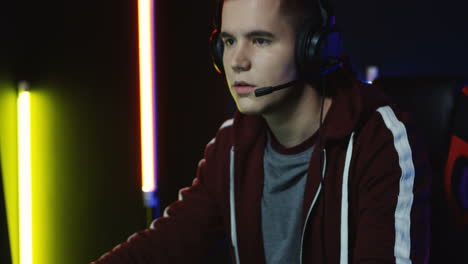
<point>279,185</point>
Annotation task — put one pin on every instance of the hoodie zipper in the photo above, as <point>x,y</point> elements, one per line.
<point>232,204</point>
<point>312,205</point>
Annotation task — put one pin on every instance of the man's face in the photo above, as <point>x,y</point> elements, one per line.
<point>258,52</point>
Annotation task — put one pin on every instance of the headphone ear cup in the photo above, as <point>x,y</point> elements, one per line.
<point>307,51</point>
<point>217,49</point>
<point>331,49</point>
<point>318,50</point>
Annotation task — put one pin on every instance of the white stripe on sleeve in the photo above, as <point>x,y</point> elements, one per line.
<point>344,204</point>
<point>405,197</point>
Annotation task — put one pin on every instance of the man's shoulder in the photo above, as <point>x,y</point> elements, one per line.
<point>227,123</point>
<point>222,138</point>
<point>384,121</point>
<point>241,128</point>
<point>389,130</point>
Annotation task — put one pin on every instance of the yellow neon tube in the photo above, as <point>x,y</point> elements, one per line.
<point>24,170</point>
<point>147,117</point>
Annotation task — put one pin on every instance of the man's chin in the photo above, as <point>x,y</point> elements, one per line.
<point>250,109</point>
<point>255,106</point>
<point>247,106</point>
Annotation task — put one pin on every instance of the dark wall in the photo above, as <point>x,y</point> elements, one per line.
<point>406,37</point>
<point>81,59</point>
<point>194,100</point>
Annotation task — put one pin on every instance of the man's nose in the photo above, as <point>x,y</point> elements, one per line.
<point>241,59</point>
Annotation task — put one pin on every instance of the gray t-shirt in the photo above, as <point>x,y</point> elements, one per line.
<point>282,201</point>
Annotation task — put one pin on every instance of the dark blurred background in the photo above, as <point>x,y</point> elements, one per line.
<point>81,58</point>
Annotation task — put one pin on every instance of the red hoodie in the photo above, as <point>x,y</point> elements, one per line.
<point>371,207</point>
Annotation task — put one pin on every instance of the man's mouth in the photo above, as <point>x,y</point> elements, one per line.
<point>242,83</point>
<point>242,87</point>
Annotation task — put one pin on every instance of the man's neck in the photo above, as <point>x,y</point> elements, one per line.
<point>293,123</point>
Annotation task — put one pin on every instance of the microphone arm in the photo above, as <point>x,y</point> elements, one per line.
<point>269,89</point>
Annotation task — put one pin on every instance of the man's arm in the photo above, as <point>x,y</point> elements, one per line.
<point>188,230</point>
<point>394,195</point>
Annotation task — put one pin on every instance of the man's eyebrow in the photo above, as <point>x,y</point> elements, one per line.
<point>260,33</point>
<point>225,35</point>
<point>251,34</point>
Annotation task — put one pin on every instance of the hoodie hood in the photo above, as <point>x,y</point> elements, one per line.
<point>351,107</point>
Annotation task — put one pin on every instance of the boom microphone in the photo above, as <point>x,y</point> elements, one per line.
<point>269,89</point>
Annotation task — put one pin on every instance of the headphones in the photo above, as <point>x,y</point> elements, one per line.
<point>317,49</point>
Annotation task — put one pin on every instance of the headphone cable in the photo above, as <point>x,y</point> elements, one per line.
<point>323,83</point>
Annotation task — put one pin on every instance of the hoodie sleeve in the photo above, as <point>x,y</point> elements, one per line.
<point>394,193</point>
<point>189,228</point>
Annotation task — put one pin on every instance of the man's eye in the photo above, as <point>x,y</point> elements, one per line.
<point>228,42</point>
<point>261,41</point>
